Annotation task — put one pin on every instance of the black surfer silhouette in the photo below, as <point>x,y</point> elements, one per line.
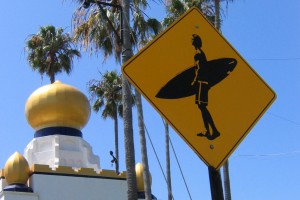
<point>201,82</point>
<point>198,80</point>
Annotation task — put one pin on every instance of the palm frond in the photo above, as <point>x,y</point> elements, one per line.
<point>51,51</point>
<point>105,94</point>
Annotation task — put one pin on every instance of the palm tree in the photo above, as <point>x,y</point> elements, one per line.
<point>106,95</point>
<point>175,8</point>
<point>218,10</point>
<point>217,13</point>
<point>127,111</point>
<point>141,125</point>
<point>95,33</point>
<point>51,51</point>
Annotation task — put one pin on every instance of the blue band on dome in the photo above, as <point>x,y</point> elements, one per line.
<point>58,131</point>
<point>18,188</point>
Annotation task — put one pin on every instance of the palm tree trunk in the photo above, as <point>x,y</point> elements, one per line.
<point>128,140</point>
<point>168,168</point>
<point>52,78</point>
<point>226,165</point>
<point>217,15</point>
<point>127,108</point>
<point>227,190</point>
<point>146,173</point>
<point>116,141</point>
<point>50,69</point>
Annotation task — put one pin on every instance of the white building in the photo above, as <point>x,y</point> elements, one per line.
<point>58,164</point>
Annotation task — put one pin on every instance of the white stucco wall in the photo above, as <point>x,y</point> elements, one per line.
<point>61,150</point>
<point>2,184</point>
<point>62,187</point>
<point>7,195</point>
<point>69,187</point>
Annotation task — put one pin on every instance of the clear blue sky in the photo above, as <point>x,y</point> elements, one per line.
<point>265,165</point>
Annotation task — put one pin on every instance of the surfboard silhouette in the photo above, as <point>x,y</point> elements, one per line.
<point>180,86</point>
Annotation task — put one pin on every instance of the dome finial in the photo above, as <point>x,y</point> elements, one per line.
<point>139,169</point>
<point>16,172</point>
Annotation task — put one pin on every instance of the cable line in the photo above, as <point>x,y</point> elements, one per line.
<point>273,59</point>
<point>152,145</point>
<point>157,159</point>
<point>284,119</point>
<point>292,153</point>
<point>186,186</point>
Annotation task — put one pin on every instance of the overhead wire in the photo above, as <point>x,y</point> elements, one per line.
<point>273,59</point>
<point>178,163</point>
<point>282,154</point>
<point>152,145</point>
<point>186,186</point>
<point>284,119</point>
<point>157,158</point>
<point>148,135</point>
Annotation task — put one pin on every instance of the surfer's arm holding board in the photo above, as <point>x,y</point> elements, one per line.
<point>196,72</point>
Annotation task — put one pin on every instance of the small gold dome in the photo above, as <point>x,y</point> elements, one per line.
<point>16,170</point>
<point>56,105</point>
<point>139,168</point>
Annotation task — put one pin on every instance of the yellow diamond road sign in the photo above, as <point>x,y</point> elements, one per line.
<point>198,82</point>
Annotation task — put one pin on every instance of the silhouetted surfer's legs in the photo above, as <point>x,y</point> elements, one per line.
<point>208,122</point>
<point>202,102</point>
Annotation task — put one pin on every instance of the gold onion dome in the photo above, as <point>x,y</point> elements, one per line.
<point>16,170</point>
<point>139,169</point>
<point>57,105</point>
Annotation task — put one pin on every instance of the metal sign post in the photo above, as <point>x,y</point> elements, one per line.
<point>215,184</point>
